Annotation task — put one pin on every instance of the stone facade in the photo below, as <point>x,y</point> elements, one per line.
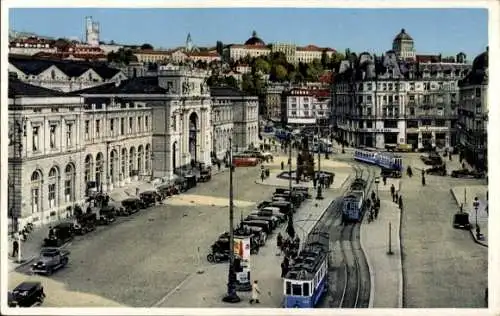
<point>473,114</point>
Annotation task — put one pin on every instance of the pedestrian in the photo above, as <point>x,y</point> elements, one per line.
<point>284,269</point>
<point>314,182</point>
<point>373,195</point>
<point>279,243</point>
<point>262,176</point>
<point>393,189</point>
<point>282,165</point>
<point>423,172</point>
<point>463,165</point>
<point>255,292</point>
<point>450,155</point>
<point>137,191</point>
<point>400,202</point>
<point>15,248</point>
<point>376,211</point>
<point>423,181</point>
<point>218,165</point>
<point>395,197</point>
<point>384,179</point>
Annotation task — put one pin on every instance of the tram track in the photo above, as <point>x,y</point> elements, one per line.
<point>356,274</point>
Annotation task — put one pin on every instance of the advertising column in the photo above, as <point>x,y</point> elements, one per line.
<point>242,254</point>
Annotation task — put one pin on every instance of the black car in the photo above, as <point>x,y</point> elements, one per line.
<point>465,173</point>
<point>265,225</point>
<point>285,207</point>
<point>149,198</point>
<point>439,170</point>
<point>132,205</point>
<point>263,204</point>
<point>62,233</point>
<point>190,181</point>
<point>107,215</point>
<point>273,221</point>
<point>50,260</point>
<point>85,223</point>
<point>26,294</point>
<point>390,173</point>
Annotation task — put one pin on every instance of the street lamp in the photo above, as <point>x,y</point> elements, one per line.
<point>231,296</point>
<point>319,196</point>
<point>476,207</point>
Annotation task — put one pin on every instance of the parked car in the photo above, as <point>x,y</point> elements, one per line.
<point>439,170</point>
<point>271,211</point>
<point>432,158</point>
<point>132,205</point>
<point>205,175</point>
<point>26,294</point>
<point>461,221</point>
<point>465,173</point>
<point>107,215</point>
<point>85,223</point>
<point>390,173</point>
<point>149,198</point>
<point>166,190</point>
<point>50,260</point>
<point>63,233</point>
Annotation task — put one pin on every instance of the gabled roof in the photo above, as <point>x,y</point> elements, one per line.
<point>139,85</point>
<point>33,66</point>
<point>17,88</point>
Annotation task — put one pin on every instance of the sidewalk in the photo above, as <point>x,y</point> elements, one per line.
<point>465,195</point>
<point>30,249</point>
<point>386,272</point>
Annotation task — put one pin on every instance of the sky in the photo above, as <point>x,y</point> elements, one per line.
<point>446,31</point>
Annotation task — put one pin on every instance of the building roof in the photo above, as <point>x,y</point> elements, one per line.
<point>479,73</point>
<point>17,88</point>
<point>33,66</point>
<point>403,36</point>
<point>255,40</point>
<point>227,91</point>
<point>138,85</point>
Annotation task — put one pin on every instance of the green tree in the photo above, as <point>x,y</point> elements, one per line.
<point>247,83</point>
<point>231,81</point>
<point>261,65</point>
<point>278,73</point>
<point>122,56</point>
<point>325,59</point>
<point>219,47</point>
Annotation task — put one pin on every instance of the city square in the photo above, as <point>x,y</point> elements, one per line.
<point>247,175</point>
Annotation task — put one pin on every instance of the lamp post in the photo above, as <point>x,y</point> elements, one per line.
<point>319,196</point>
<point>231,296</point>
<point>476,207</point>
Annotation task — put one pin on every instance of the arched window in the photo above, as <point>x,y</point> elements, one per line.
<point>131,161</point>
<point>147,158</point>
<point>140,158</point>
<point>53,187</point>
<point>124,163</point>
<point>36,186</point>
<point>88,169</point>
<point>69,183</point>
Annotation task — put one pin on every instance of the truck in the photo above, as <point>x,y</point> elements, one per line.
<point>50,260</point>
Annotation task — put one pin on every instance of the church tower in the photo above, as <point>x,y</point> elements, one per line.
<point>189,43</point>
<point>91,32</point>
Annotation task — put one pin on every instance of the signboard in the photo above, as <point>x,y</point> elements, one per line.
<point>242,251</point>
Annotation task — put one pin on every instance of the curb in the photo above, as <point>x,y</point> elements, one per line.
<point>471,230</point>
<point>370,270</point>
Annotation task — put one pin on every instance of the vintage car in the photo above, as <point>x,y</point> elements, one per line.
<point>432,159</point>
<point>149,198</point>
<point>205,175</point>
<point>390,173</point>
<point>166,190</point>
<point>107,215</point>
<point>439,170</point>
<point>190,181</point>
<point>85,223</point>
<point>465,173</point>
<point>461,221</point>
<point>132,205</point>
<point>63,233</point>
<point>270,211</point>
<point>50,260</point>
<point>26,294</point>
<point>272,220</point>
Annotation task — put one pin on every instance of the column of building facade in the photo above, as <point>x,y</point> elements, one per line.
<point>203,134</point>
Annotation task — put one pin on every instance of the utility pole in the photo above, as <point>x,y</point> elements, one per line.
<point>231,296</point>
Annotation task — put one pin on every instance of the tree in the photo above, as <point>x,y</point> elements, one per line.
<point>231,81</point>
<point>261,65</point>
<point>122,56</point>
<point>147,46</point>
<point>247,83</point>
<point>219,47</point>
<point>278,73</point>
<point>325,59</point>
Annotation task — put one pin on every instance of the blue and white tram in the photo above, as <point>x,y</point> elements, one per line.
<point>382,159</point>
<point>307,280</point>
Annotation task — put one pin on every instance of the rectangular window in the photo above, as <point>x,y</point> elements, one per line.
<point>139,124</point>
<point>130,124</point>
<point>369,98</point>
<point>146,122</point>
<point>369,124</point>
<point>112,125</point>
<point>35,196</point>
<point>97,127</point>
<point>297,289</point>
<point>69,135</point>
<point>478,92</point>
<point>87,129</point>
<point>122,126</point>
<point>305,289</point>
<point>35,138</point>
<point>67,190</point>
<point>52,195</point>
<point>52,136</point>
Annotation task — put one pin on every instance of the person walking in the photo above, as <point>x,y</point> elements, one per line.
<point>255,292</point>
<point>15,248</point>
<point>393,190</point>
<point>384,179</point>
<point>279,244</point>
<point>400,202</point>
<point>282,165</point>
<point>262,175</point>
<point>423,181</point>
<point>396,197</point>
